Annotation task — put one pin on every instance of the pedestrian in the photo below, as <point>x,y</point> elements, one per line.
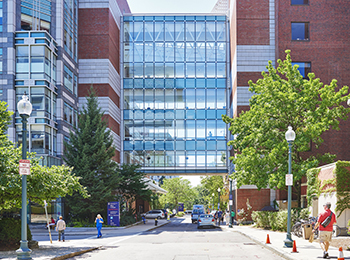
<point>232,217</point>
<point>60,227</point>
<point>99,221</point>
<point>219,216</point>
<point>216,217</point>
<point>325,221</point>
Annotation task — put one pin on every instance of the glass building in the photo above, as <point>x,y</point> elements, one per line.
<point>175,90</point>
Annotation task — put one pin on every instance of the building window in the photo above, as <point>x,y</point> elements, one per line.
<point>70,80</point>
<point>68,114</point>
<point>300,31</point>
<point>0,16</point>
<point>300,2</point>
<point>304,68</point>
<point>0,60</point>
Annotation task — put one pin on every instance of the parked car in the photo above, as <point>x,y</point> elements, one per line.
<point>155,213</point>
<point>206,220</point>
<point>195,214</point>
<point>188,211</point>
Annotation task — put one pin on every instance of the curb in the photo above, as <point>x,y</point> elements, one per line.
<point>155,227</point>
<point>75,254</point>
<point>271,248</point>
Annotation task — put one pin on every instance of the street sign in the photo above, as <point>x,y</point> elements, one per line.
<point>113,213</point>
<point>24,167</point>
<point>231,202</point>
<point>289,179</point>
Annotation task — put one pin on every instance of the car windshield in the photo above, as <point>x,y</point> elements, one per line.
<point>197,211</point>
<point>206,216</point>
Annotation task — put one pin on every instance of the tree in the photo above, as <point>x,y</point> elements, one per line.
<point>132,183</point>
<point>178,190</point>
<point>43,183</point>
<point>283,98</point>
<point>211,184</point>
<point>90,153</point>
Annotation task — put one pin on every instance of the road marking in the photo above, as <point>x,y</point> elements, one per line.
<point>125,238</point>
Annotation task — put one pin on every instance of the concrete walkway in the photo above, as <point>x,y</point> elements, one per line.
<point>307,250</point>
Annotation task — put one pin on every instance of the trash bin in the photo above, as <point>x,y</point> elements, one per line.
<point>307,231</point>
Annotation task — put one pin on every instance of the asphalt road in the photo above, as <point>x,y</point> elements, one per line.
<point>180,240</point>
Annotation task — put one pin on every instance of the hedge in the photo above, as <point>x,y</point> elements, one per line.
<point>10,232</point>
<point>278,220</point>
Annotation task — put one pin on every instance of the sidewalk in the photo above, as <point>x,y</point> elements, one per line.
<point>70,248</point>
<point>307,250</point>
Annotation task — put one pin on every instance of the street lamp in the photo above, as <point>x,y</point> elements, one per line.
<point>219,198</point>
<point>213,200</point>
<point>24,108</point>
<point>231,202</point>
<point>290,137</point>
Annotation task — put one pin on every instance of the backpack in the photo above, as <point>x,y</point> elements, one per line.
<point>328,220</point>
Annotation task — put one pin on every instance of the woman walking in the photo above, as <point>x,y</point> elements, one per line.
<point>99,221</point>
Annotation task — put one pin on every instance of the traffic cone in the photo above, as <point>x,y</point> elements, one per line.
<point>268,239</point>
<point>341,255</point>
<point>294,247</point>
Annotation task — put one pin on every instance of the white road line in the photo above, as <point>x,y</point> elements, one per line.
<point>125,238</point>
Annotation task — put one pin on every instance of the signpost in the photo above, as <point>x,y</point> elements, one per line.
<point>289,179</point>
<point>113,212</point>
<point>47,220</point>
<point>24,167</point>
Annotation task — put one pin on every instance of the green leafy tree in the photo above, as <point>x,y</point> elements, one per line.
<point>43,183</point>
<point>90,153</point>
<point>283,98</point>
<point>201,196</point>
<point>211,184</point>
<point>178,190</point>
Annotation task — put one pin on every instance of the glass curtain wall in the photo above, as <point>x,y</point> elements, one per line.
<point>36,54</point>
<point>175,91</point>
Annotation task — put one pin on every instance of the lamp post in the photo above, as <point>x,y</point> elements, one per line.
<point>219,198</point>
<point>213,200</point>
<point>290,137</point>
<point>231,202</point>
<point>24,108</point>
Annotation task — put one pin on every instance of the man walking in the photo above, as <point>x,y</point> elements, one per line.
<point>60,227</point>
<point>325,222</point>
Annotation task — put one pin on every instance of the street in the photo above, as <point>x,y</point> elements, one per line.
<point>179,240</point>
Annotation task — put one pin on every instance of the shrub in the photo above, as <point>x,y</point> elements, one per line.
<point>10,232</point>
<point>277,220</point>
<point>180,214</point>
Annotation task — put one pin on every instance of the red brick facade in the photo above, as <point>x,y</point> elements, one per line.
<point>99,38</point>
<point>253,22</point>
<point>327,50</point>
<point>257,199</point>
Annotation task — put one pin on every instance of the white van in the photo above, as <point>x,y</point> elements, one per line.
<point>196,211</point>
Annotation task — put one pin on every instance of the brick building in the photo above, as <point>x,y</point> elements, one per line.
<point>316,34</point>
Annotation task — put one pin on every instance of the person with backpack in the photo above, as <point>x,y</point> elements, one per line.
<point>325,222</point>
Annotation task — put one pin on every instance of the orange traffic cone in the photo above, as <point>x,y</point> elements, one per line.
<point>341,255</point>
<point>268,239</point>
<point>294,247</point>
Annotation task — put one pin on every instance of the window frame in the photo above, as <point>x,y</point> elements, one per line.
<point>306,29</point>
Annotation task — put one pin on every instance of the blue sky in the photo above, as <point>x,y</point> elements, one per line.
<point>171,6</point>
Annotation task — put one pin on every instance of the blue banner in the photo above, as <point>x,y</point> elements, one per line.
<point>113,218</point>
<point>181,206</point>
